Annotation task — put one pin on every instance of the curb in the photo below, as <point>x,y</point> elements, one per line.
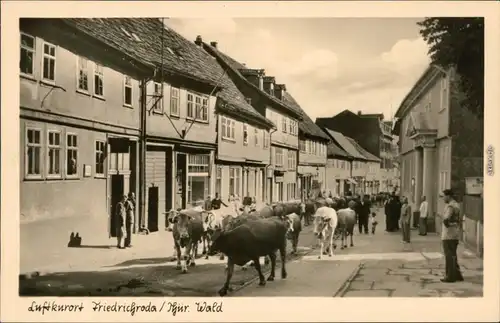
<point>343,289</point>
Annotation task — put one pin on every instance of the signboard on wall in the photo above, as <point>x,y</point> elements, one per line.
<point>279,179</point>
<point>474,185</point>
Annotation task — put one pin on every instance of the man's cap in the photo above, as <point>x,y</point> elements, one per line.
<point>447,192</point>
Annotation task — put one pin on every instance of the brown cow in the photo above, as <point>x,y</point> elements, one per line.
<point>345,226</point>
<point>187,232</point>
<point>249,241</point>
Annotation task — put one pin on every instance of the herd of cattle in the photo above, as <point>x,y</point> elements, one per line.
<point>248,234</point>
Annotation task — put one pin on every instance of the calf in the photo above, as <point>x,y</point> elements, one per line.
<point>187,232</point>
<point>325,223</point>
<point>294,228</point>
<point>248,241</point>
<point>345,226</point>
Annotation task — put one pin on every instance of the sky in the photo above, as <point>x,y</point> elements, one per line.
<point>327,64</point>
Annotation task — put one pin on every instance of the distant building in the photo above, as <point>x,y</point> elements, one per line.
<point>358,170</point>
<point>435,140</point>
<point>373,134</point>
<point>371,182</point>
<point>338,170</point>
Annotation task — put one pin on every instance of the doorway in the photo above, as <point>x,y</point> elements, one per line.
<point>153,205</point>
<point>180,180</point>
<point>117,191</point>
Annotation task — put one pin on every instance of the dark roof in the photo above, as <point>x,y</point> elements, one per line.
<point>345,144</point>
<point>334,150</point>
<point>236,66</point>
<point>372,115</point>
<point>363,152</point>
<point>306,125</point>
<point>180,56</point>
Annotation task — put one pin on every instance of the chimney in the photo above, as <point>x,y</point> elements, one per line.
<point>198,40</point>
<point>280,91</point>
<point>359,113</point>
<point>269,82</point>
<point>253,76</point>
<point>213,44</point>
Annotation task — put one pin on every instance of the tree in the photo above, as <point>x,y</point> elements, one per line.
<point>459,42</point>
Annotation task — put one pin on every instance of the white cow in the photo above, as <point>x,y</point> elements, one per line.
<point>325,223</point>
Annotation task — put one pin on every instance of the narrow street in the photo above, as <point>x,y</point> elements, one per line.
<point>378,265</point>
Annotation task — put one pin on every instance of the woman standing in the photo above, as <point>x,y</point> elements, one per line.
<point>405,220</point>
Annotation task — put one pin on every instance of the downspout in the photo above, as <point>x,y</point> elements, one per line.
<point>270,159</point>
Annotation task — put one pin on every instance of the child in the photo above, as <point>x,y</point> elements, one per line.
<point>373,222</point>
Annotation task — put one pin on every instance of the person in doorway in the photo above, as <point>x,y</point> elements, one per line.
<point>450,233</point>
<point>422,226</point>
<point>217,202</point>
<point>129,219</point>
<point>405,220</point>
<point>120,218</point>
<point>363,215</point>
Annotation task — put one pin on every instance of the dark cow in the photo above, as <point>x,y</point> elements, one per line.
<point>187,232</point>
<point>249,241</point>
<point>345,226</point>
<point>310,207</point>
<point>213,220</point>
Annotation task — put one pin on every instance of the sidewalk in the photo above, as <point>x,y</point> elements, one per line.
<point>421,278</point>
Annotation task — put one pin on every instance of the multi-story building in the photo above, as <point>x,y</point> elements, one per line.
<point>358,169</point>
<point>372,133</point>
<point>436,150</point>
<point>338,170</point>
<point>372,170</point>
<point>267,98</point>
<point>312,153</point>
<point>79,119</point>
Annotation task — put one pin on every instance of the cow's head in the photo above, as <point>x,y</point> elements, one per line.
<point>288,220</point>
<point>217,238</point>
<point>320,225</point>
<point>181,221</point>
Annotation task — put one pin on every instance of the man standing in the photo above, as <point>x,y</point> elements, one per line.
<point>395,212</point>
<point>422,226</point>
<point>120,218</point>
<point>363,215</point>
<point>450,233</point>
<point>217,202</point>
<point>129,219</point>
<point>405,220</point>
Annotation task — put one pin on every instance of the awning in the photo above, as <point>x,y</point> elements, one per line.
<point>352,181</point>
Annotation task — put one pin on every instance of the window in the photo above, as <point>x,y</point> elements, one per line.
<point>245,134</point>
<point>54,154</point>
<point>49,62</point>
<point>204,109</point>
<point>283,124</point>
<point>190,105</point>
<point>266,139</point>
<point>290,187</point>
<point>218,181</point>
<point>174,101</point>
<point>83,74</point>
<point>444,93</point>
<point>302,146</point>
<point>198,163</point>
<point>292,158</point>
<point>227,128</point>
<point>100,156</point>
<point>98,80</point>
<point>33,153</point>
<point>157,97</point>
<point>27,54</point>
<point>279,156</point>
<point>71,155</point>
<point>234,180</point>
<point>428,100</point>
<point>256,136</point>
<point>127,91</point>
<point>291,126</point>
<point>198,179</point>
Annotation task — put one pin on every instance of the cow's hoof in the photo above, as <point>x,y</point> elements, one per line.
<point>203,252</point>
<point>222,292</point>
<point>192,264</point>
<point>206,257</point>
<point>283,275</point>
<point>262,283</point>
<point>345,246</point>
<point>178,267</point>
<point>270,278</point>
<point>319,257</point>
<point>335,247</point>
<point>352,244</point>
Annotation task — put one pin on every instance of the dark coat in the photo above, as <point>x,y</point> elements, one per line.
<point>363,210</point>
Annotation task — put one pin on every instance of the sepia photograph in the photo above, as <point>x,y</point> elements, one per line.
<point>332,157</point>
